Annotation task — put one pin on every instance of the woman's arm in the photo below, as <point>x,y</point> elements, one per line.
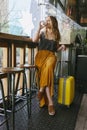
<point>38,33</point>
<point>37,36</point>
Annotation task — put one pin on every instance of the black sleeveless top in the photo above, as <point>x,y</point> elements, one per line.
<point>46,44</point>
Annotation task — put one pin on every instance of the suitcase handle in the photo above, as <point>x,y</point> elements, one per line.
<point>61,64</point>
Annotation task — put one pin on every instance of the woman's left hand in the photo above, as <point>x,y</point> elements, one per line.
<point>63,47</point>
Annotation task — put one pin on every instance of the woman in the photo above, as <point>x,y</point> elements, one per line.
<point>48,37</point>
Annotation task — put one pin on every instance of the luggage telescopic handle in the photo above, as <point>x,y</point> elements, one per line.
<point>62,61</point>
<point>61,64</point>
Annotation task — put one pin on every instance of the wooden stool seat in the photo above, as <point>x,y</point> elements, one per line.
<point>11,69</point>
<point>27,66</point>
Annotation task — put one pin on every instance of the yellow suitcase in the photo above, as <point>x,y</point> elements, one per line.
<point>66,90</point>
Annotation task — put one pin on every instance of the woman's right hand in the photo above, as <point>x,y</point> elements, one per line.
<point>42,25</point>
<point>38,33</point>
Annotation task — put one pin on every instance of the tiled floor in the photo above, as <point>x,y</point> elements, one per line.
<point>81,123</point>
<point>62,121</point>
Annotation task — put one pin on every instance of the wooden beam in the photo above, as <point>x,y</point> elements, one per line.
<point>61,5</point>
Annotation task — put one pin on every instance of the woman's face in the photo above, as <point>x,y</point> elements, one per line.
<point>48,22</point>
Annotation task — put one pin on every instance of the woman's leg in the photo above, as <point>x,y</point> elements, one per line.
<point>50,101</point>
<point>40,94</point>
<point>51,109</point>
<point>46,74</point>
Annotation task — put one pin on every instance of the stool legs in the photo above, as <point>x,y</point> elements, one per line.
<point>11,76</point>
<point>13,96</point>
<point>30,68</point>
<point>31,85</point>
<point>13,101</point>
<point>25,86</point>
<point>30,93</point>
<point>4,105</point>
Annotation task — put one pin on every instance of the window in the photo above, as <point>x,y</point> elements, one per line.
<point>19,17</point>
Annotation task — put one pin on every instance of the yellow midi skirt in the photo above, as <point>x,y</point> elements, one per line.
<point>45,61</point>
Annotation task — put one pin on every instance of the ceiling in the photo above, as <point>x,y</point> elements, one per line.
<point>80,11</point>
<point>82,8</point>
<point>82,5</point>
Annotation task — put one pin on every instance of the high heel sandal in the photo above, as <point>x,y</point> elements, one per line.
<point>51,110</point>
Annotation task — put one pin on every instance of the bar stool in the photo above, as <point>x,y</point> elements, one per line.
<point>11,73</point>
<point>30,68</point>
<point>3,108</point>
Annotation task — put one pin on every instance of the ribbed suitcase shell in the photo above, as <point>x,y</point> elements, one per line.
<point>66,90</point>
